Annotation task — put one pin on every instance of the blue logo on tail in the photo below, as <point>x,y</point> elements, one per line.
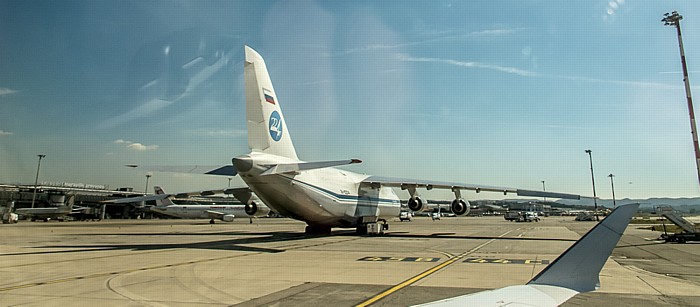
<point>275,126</point>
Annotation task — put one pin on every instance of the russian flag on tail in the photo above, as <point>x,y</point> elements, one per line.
<point>268,96</point>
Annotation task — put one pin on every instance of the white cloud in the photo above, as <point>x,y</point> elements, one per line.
<point>505,69</point>
<point>611,10</point>
<point>135,146</point>
<point>527,73</point>
<point>5,133</point>
<point>6,91</point>
<point>373,47</point>
<point>141,147</point>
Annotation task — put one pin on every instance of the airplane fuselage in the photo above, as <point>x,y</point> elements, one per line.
<point>326,197</point>
<point>199,211</point>
<point>44,213</point>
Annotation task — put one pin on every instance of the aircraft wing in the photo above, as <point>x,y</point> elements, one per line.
<point>402,183</point>
<point>577,270</point>
<point>128,200</point>
<point>521,295</point>
<point>242,194</point>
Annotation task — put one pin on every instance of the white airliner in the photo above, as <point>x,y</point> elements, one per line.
<point>58,209</point>
<point>225,213</point>
<point>575,271</point>
<point>314,192</point>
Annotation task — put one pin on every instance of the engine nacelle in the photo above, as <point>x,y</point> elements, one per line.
<point>228,218</point>
<point>253,209</point>
<point>460,207</point>
<point>416,204</point>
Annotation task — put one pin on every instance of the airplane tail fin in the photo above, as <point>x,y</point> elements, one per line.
<point>267,130</point>
<point>70,202</point>
<point>162,202</point>
<point>578,268</point>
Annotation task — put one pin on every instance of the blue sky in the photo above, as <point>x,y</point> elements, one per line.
<point>505,93</point>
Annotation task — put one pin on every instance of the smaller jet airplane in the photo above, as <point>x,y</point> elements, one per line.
<point>575,271</point>
<point>225,213</point>
<point>58,211</point>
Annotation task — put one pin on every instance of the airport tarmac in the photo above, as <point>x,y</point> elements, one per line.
<point>272,263</point>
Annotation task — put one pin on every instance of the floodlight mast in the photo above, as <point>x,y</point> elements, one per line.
<point>674,19</point>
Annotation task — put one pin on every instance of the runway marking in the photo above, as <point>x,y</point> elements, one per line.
<point>504,261</point>
<point>426,273</point>
<point>400,259</point>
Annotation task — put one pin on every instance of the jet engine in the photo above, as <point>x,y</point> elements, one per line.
<point>416,204</point>
<point>228,218</point>
<point>460,207</point>
<point>253,209</point>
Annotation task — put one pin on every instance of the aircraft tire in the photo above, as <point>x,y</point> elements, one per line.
<point>317,230</point>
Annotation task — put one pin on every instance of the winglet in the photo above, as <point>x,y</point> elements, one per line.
<point>578,268</point>
<point>575,271</point>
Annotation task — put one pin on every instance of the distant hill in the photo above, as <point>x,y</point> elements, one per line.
<point>691,205</point>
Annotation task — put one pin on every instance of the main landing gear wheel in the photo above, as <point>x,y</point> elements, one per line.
<point>317,230</point>
<point>212,221</point>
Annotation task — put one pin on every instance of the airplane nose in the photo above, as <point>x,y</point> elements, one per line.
<point>242,164</point>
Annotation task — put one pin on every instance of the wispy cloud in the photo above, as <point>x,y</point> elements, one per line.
<point>678,72</point>
<point>220,133</point>
<point>5,133</point>
<point>611,9</point>
<point>505,69</point>
<point>475,34</point>
<point>6,91</point>
<point>135,146</point>
<point>527,73</point>
<point>619,82</point>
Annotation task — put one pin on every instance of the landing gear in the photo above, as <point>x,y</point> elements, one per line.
<point>212,221</point>
<point>317,230</point>
<point>374,228</point>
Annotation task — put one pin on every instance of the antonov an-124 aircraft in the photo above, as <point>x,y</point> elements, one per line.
<point>315,192</point>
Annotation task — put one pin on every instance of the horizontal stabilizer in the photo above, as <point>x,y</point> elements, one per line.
<point>305,166</point>
<point>226,170</point>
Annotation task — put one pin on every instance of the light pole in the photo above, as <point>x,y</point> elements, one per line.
<point>148,176</point>
<point>595,197</point>
<point>612,185</point>
<point>544,190</point>
<point>674,19</point>
<point>36,180</point>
